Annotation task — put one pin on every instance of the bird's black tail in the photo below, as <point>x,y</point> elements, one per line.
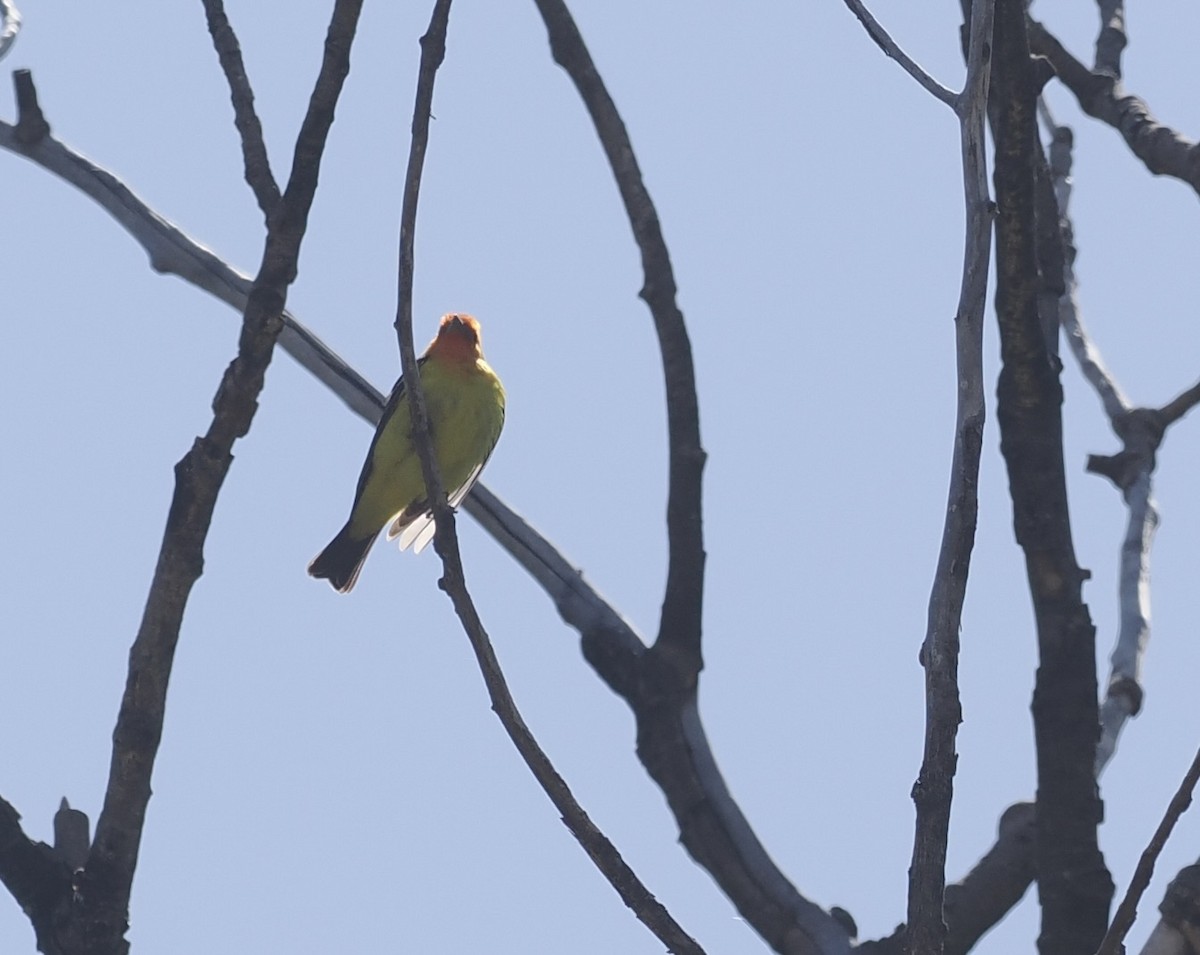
<point>341,561</point>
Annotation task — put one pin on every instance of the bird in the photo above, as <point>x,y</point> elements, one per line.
<point>464,399</point>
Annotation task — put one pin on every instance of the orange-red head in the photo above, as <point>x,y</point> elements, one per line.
<point>457,339</point>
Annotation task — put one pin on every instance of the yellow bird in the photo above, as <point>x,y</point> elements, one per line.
<point>465,403</point>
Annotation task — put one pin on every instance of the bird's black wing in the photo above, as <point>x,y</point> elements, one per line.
<point>389,409</point>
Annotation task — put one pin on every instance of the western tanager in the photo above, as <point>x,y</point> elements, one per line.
<point>465,402</point>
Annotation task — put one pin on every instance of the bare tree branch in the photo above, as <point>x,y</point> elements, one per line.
<point>988,892</point>
<point>106,881</point>
<point>38,878</point>
<point>1086,353</point>
<point>72,840</point>
<point>254,150</point>
<point>1123,696</point>
<point>1177,407</point>
<point>1112,39</point>
<point>1127,910</point>
<point>1141,431</point>
<point>934,789</point>
<point>1161,149</point>
<point>997,882</point>
<point>660,684</point>
<point>715,832</point>
<point>31,126</point>
<point>889,46</point>
<point>598,847</point>
<point>679,628</point>
<point>433,51</point>
<point>173,252</point>
<point>1074,885</point>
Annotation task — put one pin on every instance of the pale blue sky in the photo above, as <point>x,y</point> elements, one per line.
<point>331,778</point>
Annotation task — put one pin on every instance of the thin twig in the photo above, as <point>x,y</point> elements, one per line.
<point>933,792</point>
<point>1085,351</point>
<point>889,46</point>
<point>433,51</point>
<point>1180,405</point>
<point>107,878</point>
<point>1127,911</point>
<point>934,789</point>
<point>601,851</point>
<point>1124,695</point>
<point>254,149</point>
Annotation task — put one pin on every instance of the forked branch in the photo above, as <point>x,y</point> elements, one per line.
<point>1164,151</point>
<point>926,930</point>
<point>90,909</point>
<point>598,847</point>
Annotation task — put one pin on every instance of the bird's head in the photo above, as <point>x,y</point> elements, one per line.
<point>457,338</point>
